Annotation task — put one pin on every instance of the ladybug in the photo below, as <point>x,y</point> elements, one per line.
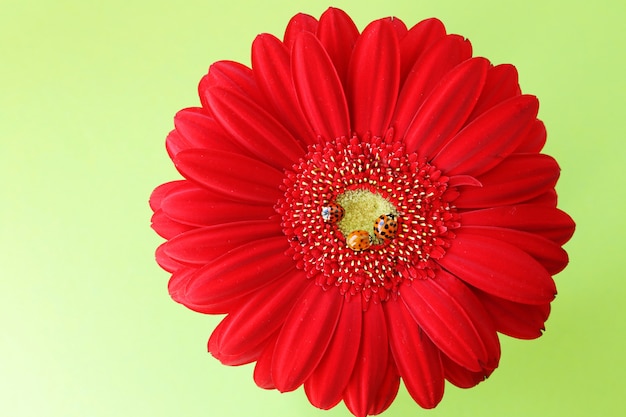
<point>332,213</point>
<point>386,226</point>
<point>359,240</point>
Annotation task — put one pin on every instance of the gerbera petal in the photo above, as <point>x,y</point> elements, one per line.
<point>325,386</point>
<point>203,245</point>
<point>388,389</point>
<point>487,140</point>
<point>177,288</point>
<point>159,193</point>
<point>243,331</point>
<point>165,226</point>
<point>338,34</point>
<point>454,320</point>
<point>550,254</point>
<point>399,27</point>
<point>461,377</point>
<point>250,354</point>
<point>272,70</point>
<point>501,84</point>
<point>548,222</point>
<point>425,74</point>
<point>417,40</point>
<point>534,140</point>
<point>516,179</point>
<point>165,261</point>
<point>298,24</point>
<point>498,268</point>
<point>240,271</point>
<point>318,88</point>
<point>190,204</point>
<point>196,129</point>
<point>371,365</point>
<point>234,77</point>
<point>263,368</point>
<point>447,107</point>
<point>372,93</point>
<point>231,175</point>
<point>548,199</point>
<point>305,336</point>
<point>253,128</point>
<point>517,320</point>
<point>417,357</point>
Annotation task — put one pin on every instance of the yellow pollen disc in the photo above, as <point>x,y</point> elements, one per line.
<point>362,208</point>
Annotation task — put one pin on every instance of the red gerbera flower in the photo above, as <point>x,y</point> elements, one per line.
<point>364,207</point>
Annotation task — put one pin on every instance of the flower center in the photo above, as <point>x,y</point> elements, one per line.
<point>362,209</point>
<point>363,215</point>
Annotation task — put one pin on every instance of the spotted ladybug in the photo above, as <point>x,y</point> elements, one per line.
<point>386,226</point>
<point>359,240</point>
<point>332,213</point>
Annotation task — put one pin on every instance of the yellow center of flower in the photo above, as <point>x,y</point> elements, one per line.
<point>362,208</point>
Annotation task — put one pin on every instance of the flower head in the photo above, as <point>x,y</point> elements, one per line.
<point>365,207</point>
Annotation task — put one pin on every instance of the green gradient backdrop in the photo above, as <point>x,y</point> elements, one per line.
<point>87,95</point>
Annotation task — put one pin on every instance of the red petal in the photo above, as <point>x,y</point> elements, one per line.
<point>460,376</point>
<point>253,128</point>
<point>501,84</point>
<point>159,193</point>
<point>522,321</point>
<point>516,179</point>
<point>388,389</point>
<point>196,129</point>
<point>416,356</point>
<point>425,75</point>
<point>263,367</point>
<point>548,253</point>
<point>240,271</point>
<point>177,288</point>
<point>165,261</point>
<point>244,332</point>
<point>325,386</point>
<point>231,76</point>
<point>417,40</point>
<point>447,107</point>
<point>190,204</point>
<point>298,24</point>
<point>319,89</point>
<point>374,77</point>
<point>498,268</point>
<point>231,175</point>
<point>484,142</point>
<point>534,140</point>
<point>459,180</point>
<point>454,320</point>
<point>548,222</point>
<point>548,199</point>
<point>272,69</point>
<point>371,365</point>
<point>338,34</point>
<point>305,336</point>
<point>166,227</point>
<point>398,26</point>
<point>203,245</point>
<point>178,281</point>
<point>250,354</point>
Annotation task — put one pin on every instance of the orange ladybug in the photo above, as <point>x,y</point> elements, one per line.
<point>386,226</point>
<point>359,240</point>
<point>332,213</point>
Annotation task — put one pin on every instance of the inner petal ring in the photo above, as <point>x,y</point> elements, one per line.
<point>368,177</point>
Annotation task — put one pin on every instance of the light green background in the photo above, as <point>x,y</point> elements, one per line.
<point>87,95</point>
